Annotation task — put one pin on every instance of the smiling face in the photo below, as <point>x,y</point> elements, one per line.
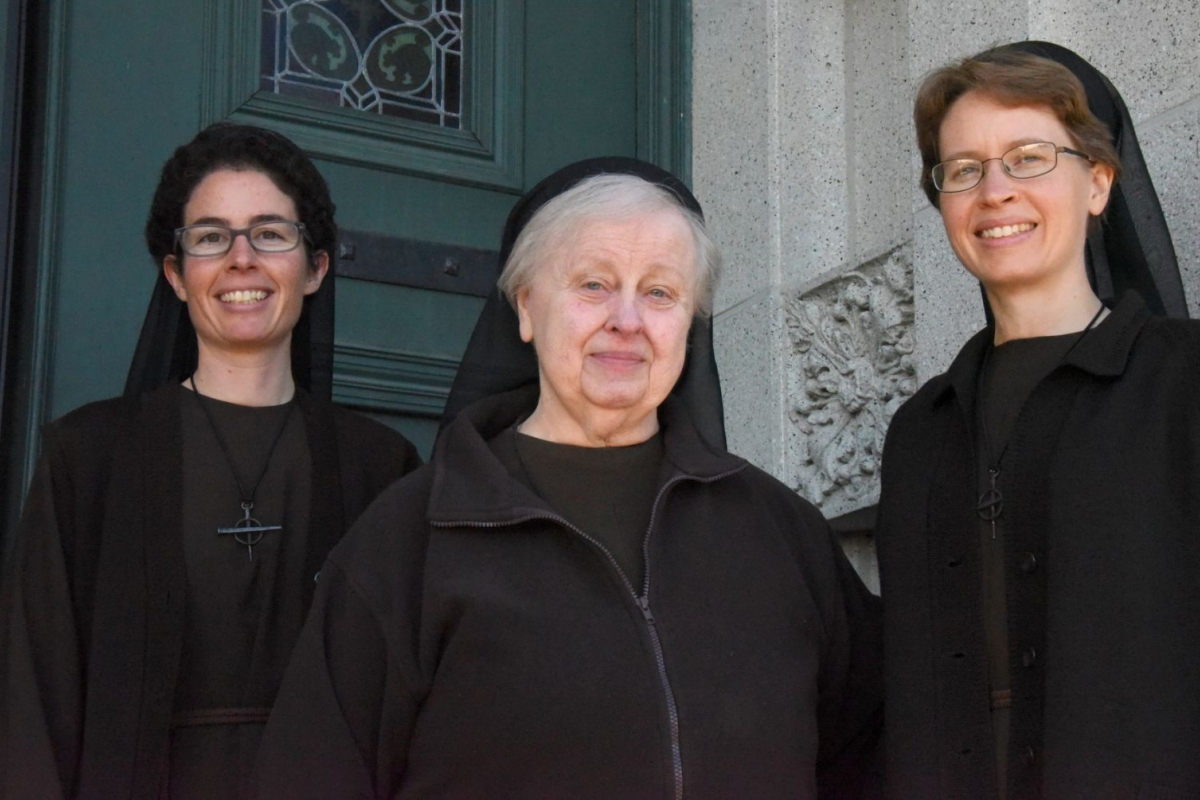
<point>243,302</point>
<point>1013,234</point>
<point>608,314</point>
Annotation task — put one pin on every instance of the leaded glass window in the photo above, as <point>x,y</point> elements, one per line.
<point>397,58</point>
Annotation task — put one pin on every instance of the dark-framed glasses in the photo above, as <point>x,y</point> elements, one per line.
<point>1023,161</point>
<point>275,236</point>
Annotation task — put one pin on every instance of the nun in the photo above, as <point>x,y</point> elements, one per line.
<point>584,594</point>
<point>165,558</point>
<point>1037,525</point>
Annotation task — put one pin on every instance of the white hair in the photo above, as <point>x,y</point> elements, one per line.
<point>613,196</point>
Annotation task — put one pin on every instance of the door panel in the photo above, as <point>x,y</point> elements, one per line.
<point>125,82</point>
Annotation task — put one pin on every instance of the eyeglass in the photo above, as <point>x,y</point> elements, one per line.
<point>276,236</point>
<point>1023,161</point>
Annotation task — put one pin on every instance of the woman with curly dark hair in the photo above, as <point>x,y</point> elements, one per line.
<point>168,546</point>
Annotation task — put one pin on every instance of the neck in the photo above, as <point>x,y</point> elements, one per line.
<point>1026,313</point>
<point>260,379</point>
<point>617,428</point>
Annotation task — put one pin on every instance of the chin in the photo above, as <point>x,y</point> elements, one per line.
<point>615,399</point>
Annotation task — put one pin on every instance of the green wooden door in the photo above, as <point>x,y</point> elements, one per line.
<point>121,83</point>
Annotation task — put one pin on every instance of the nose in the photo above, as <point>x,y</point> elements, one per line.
<point>624,314</point>
<point>996,185</point>
<point>241,253</point>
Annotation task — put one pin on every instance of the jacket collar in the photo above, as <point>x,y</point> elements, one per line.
<point>1104,352</point>
<point>471,485</point>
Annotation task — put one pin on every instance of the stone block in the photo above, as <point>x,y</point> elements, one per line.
<point>880,139</point>
<point>732,103</point>
<point>942,31</point>
<point>1148,50</point>
<point>949,307</point>
<point>814,226</point>
<point>749,348</point>
<point>1172,151</point>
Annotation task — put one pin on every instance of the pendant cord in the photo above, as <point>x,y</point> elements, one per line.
<point>991,502</point>
<point>247,498</point>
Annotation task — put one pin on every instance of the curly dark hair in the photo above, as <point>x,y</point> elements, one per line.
<point>226,145</point>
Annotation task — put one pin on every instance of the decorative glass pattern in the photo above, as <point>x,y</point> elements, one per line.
<point>398,58</point>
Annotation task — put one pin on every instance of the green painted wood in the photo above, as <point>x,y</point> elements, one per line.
<point>487,152</point>
<point>113,110</point>
<point>664,85</point>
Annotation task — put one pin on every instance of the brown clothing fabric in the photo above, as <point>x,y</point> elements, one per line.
<point>95,598</point>
<point>607,492</point>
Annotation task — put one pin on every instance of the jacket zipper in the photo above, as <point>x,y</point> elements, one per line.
<point>642,600</point>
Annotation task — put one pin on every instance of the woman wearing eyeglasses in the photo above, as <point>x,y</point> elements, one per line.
<point>168,546</point>
<point>1038,534</point>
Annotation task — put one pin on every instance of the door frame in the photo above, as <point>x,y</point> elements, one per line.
<point>12,94</point>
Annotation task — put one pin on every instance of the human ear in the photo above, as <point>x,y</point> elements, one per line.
<point>523,315</point>
<point>316,272</point>
<point>173,272</point>
<point>1102,179</point>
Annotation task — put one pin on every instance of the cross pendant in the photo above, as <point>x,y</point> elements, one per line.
<point>248,530</point>
<point>991,502</point>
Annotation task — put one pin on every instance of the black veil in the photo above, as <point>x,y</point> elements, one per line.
<point>496,360</point>
<point>1132,249</point>
<point>166,349</point>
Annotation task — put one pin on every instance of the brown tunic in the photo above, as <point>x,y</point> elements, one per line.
<point>242,615</point>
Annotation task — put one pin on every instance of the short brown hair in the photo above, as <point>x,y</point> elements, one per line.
<point>1011,78</point>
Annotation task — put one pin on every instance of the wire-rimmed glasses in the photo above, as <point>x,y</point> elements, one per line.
<point>1022,161</point>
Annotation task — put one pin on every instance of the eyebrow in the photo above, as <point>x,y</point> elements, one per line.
<point>974,154</point>
<point>255,220</point>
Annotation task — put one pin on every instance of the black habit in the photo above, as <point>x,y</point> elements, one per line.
<point>468,639</point>
<point>1102,503</point>
<point>1097,580</point>
<point>93,597</point>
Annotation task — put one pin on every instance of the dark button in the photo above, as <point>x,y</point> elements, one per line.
<point>1029,657</point>
<point>1029,756</point>
<point>1029,563</point>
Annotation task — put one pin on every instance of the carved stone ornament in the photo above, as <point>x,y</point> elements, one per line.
<point>853,366</point>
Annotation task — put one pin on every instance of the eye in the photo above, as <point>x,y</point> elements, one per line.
<point>272,232</point>
<point>964,169</point>
<point>661,295</point>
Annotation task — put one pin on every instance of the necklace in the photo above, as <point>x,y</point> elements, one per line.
<point>246,531</point>
<point>991,501</point>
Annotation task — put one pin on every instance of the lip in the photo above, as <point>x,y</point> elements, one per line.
<point>1003,239</point>
<point>618,359</point>
<point>235,297</point>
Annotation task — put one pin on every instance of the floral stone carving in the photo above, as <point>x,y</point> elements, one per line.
<point>853,365</point>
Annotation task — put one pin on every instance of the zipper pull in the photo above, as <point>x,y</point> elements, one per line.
<point>644,604</point>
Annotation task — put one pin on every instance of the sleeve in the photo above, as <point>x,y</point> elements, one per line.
<point>850,708</point>
<point>373,456</point>
<point>41,674</point>
<point>343,717</point>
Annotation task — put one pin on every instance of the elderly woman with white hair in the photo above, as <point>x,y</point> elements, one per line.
<point>584,594</point>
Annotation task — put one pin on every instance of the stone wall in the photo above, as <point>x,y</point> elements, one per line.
<point>839,294</point>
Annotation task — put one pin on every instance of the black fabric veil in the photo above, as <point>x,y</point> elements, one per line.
<point>1132,249</point>
<point>496,360</point>
<point>166,349</point>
